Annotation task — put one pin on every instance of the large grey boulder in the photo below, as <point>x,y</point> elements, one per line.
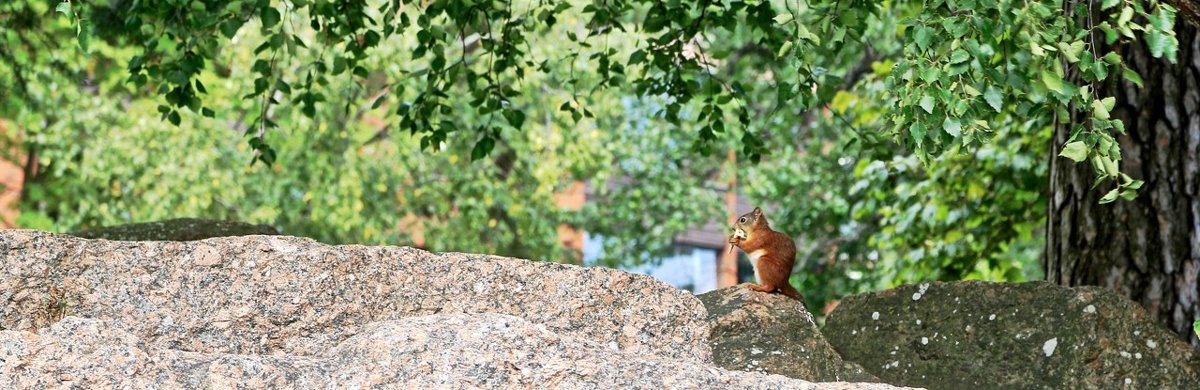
<point>774,334</point>
<point>277,294</point>
<point>181,229</point>
<point>438,351</point>
<point>965,335</point>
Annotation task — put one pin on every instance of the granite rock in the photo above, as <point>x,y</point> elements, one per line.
<point>1037,335</point>
<point>285,295</point>
<point>435,351</point>
<point>771,333</point>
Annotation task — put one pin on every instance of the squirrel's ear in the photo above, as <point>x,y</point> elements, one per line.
<point>757,211</point>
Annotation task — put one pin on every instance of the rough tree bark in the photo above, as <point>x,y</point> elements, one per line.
<point>1147,249</point>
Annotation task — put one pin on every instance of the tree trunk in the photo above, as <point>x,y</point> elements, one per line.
<point>1147,249</point>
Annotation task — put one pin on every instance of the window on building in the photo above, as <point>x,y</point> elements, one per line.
<point>688,267</point>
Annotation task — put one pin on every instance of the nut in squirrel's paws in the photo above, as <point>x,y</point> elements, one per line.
<point>737,236</point>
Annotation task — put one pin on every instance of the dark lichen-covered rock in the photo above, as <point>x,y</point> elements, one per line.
<point>1037,335</point>
<point>771,333</point>
<point>279,294</point>
<point>438,351</point>
<point>182,229</point>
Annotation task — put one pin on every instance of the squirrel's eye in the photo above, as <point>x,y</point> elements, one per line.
<point>743,220</point>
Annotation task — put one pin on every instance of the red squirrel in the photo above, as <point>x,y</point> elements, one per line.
<point>772,253</point>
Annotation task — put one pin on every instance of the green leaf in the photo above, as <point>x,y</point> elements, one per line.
<point>1107,166</point>
<point>516,118</point>
<point>993,98</point>
<point>1071,50</point>
<point>1053,82</point>
<point>1110,35</point>
<point>1098,110</point>
<point>784,49</point>
<point>1106,4</point>
<point>269,17</point>
<point>1109,103</point>
<point>1126,16</point>
<point>959,56</point>
<point>783,18</point>
<point>84,36</point>
<point>482,148</point>
<point>1076,151</point>
<point>1165,18</point>
<point>803,33</point>
<point>927,103</point>
<point>971,90</point>
<point>1110,196</point>
<point>64,8</point>
<point>1131,75</point>
<point>918,131</point>
<point>952,127</point>
<point>1161,45</point>
<point>1112,58</point>
<point>637,57</point>
<point>923,36</point>
<point>379,101</point>
<point>1196,328</point>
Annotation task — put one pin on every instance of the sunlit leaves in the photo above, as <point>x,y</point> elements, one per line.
<point>1076,151</point>
<point>993,98</point>
<point>923,37</point>
<point>1014,57</point>
<point>952,127</point>
<point>958,65</point>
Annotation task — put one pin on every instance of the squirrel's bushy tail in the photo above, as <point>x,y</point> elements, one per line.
<point>791,292</point>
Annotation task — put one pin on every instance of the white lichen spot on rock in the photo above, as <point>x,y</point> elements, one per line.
<point>1126,355</point>
<point>1128,381</point>
<point>918,322</point>
<point>1048,347</point>
<point>920,291</point>
<point>992,317</point>
<point>924,341</point>
<point>1090,309</point>
<point>1137,355</point>
<point>875,316</point>
<point>755,351</point>
<point>1151,344</point>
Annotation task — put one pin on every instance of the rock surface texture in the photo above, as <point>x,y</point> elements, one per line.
<point>263,312</point>
<point>774,334</point>
<point>964,335</point>
<point>432,352</point>
<point>278,294</point>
